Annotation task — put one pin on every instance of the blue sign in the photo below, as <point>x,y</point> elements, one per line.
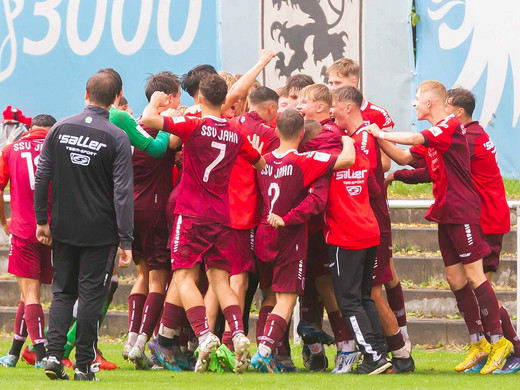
<point>474,45</point>
<point>48,49</point>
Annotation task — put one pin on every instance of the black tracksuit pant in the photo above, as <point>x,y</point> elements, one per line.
<point>351,272</point>
<point>83,273</point>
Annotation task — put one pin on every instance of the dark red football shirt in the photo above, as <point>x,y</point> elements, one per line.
<point>327,140</point>
<point>211,146</point>
<point>372,113</point>
<point>283,185</point>
<point>447,155</point>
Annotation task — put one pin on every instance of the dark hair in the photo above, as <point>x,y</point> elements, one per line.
<point>122,101</point>
<point>165,82</point>
<point>191,80</point>
<point>349,93</point>
<point>462,98</point>
<point>262,94</point>
<point>312,129</point>
<point>290,124</point>
<point>103,88</point>
<point>43,120</point>
<point>115,75</point>
<point>214,89</point>
<point>298,81</point>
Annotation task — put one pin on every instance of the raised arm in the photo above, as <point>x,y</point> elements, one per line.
<point>347,157</point>
<point>151,117</point>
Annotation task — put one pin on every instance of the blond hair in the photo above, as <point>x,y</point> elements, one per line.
<point>316,93</point>
<point>435,87</point>
<point>344,67</point>
<point>228,78</point>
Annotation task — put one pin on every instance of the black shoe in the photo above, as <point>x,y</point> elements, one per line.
<point>402,365</point>
<point>314,362</point>
<point>54,369</point>
<point>374,368</point>
<point>81,376</point>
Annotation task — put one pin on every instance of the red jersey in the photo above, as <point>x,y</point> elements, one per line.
<point>447,156</point>
<point>349,220</point>
<point>244,200</point>
<point>283,185</point>
<point>328,140</point>
<point>372,113</point>
<point>211,147</point>
<point>18,164</point>
<point>153,180</point>
<point>486,177</point>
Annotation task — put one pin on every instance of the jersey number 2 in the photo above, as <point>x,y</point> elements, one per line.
<point>222,152</point>
<point>274,192</point>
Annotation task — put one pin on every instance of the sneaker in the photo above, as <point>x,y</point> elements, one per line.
<point>476,352</point>
<point>511,365</point>
<point>191,359</point>
<point>81,376</point>
<point>402,365</point>
<point>207,347</point>
<point>499,352</point>
<point>103,363</point>
<point>164,355</point>
<point>242,354</point>
<point>226,357</point>
<point>28,355</point>
<point>126,350</point>
<point>263,364</point>
<point>479,365</point>
<point>54,369</point>
<point>40,364</point>
<point>67,364</point>
<point>139,359</point>
<point>284,363</point>
<point>9,360</point>
<point>314,361</point>
<point>374,368</point>
<point>307,329</point>
<point>181,359</point>
<point>345,362</point>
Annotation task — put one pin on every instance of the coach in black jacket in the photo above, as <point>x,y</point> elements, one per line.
<point>88,160</point>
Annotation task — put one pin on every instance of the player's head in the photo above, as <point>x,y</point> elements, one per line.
<point>344,72</point>
<point>290,125</point>
<point>103,89</point>
<point>314,102</point>
<point>122,104</point>
<point>294,85</point>
<point>346,105</point>
<point>212,92</point>
<point>312,129</point>
<point>191,80</point>
<point>283,101</point>
<point>431,95</point>
<point>461,103</point>
<point>116,76</point>
<point>43,121</point>
<point>230,81</point>
<point>264,101</point>
<point>165,82</point>
<point>242,104</point>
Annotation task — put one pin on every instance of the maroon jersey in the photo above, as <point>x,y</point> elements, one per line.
<point>372,113</point>
<point>18,165</point>
<point>211,147</point>
<point>283,185</point>
<point>446,152</point>
<point>485,173</point>
<point>153,180</point>
<point>328,140</point>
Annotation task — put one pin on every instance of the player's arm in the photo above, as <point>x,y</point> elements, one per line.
<point>174,142</point>
<point>386,162</point>
<point>347,157</point>
<point>42,181</point>
<point>400,137</point>
<point>410,176</point>
<point>151,117</point>
<point>252,151</point>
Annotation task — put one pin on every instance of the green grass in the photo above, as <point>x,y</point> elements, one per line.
<point>434,370</point>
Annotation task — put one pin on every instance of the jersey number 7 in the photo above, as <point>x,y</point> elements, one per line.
<point>222,152</point>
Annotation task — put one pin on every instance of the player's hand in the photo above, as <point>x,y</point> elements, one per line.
<point>7,225</point>
<point>159,99</point>
<point>255,143</point>
<point>275,220</point>
<point>373,129</point>
<point>266,55</point>
<point>192,110</point>
<point>43,234</point>
<point>171,112</point>
<point>346,139</point>
<point>125,257</point>
<point>389,179</point>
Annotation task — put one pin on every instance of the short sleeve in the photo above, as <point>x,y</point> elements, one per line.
<point>181,126</point>
<point>4,169</point>
<point>439,136</point>
<point>314,165</point>
<point>418,151</point>
<point>247,151</point>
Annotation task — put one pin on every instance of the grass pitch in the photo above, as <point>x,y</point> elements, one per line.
<point>434,370</point>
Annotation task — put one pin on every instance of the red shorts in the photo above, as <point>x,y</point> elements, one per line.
<point>195,241</point>
<point>490,262</point>
<point>243,244</point>
<point>462,243</point>
<point>288,277</point>
<point>382,270</point>
<point>318,255</point>
<point>31,260</point>
<point>151,239</point>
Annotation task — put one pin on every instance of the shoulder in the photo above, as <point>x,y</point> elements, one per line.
<point>379,113</point>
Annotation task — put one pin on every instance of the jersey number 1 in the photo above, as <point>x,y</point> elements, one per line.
<point>222,152</point>
<point>30,166</point>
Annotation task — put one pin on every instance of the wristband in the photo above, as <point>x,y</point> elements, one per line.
<point>381,135</point>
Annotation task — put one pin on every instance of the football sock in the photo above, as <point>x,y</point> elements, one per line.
<point>488,303</point>
<point>152,309</point>
<point>395,300</point>
<point>227,340</point>
<point>35,326</point>
<point>339,327</point>
<point>275,328</point>
<point>71,339</point>
<point>20,330</point>
<point>135,312</point>
<point>404,331</point>
<point>260,324</point>
<point>395,341</point>
<point>476,337</point>
<point>509,330</point>
<point>233,316</point>
<point>198,320</point>
<point>164,341</point>
<point>346,346</point>
<point>468,308</point>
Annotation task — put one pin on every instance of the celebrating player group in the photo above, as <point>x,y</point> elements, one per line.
<point>282,190</point>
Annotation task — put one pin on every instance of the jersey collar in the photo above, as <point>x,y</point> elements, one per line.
<point>276,155</point>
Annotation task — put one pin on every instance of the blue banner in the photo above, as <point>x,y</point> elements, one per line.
<point>48,49</point>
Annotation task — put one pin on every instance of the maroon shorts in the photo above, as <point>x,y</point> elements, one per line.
<point>195,241</point>
<point>31,260</point>
<point>461,243</point>
<point>243,244</point>
<point>288,277</point>
<point>490,262</point>
<point>151,239</point>
<point>318,255</point>
<point>382,270</point>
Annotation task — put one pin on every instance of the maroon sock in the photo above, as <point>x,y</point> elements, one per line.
<point>509,330</point>
<point>20,325</point>
<point>274,330</point>
<point>233,316</point>
<point>488,303</point>
<point>198,320</point>
<point>151,311</point>
<point>135,311</point>
<point>468,308</point>
<point>172,315</point>
<point>260,324</point>
<point>395,300</point>
<point>35,322</point>
<point>395,342</point>
<point>339,327</point>
<point>227,340</point>
<point>157,325</point>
